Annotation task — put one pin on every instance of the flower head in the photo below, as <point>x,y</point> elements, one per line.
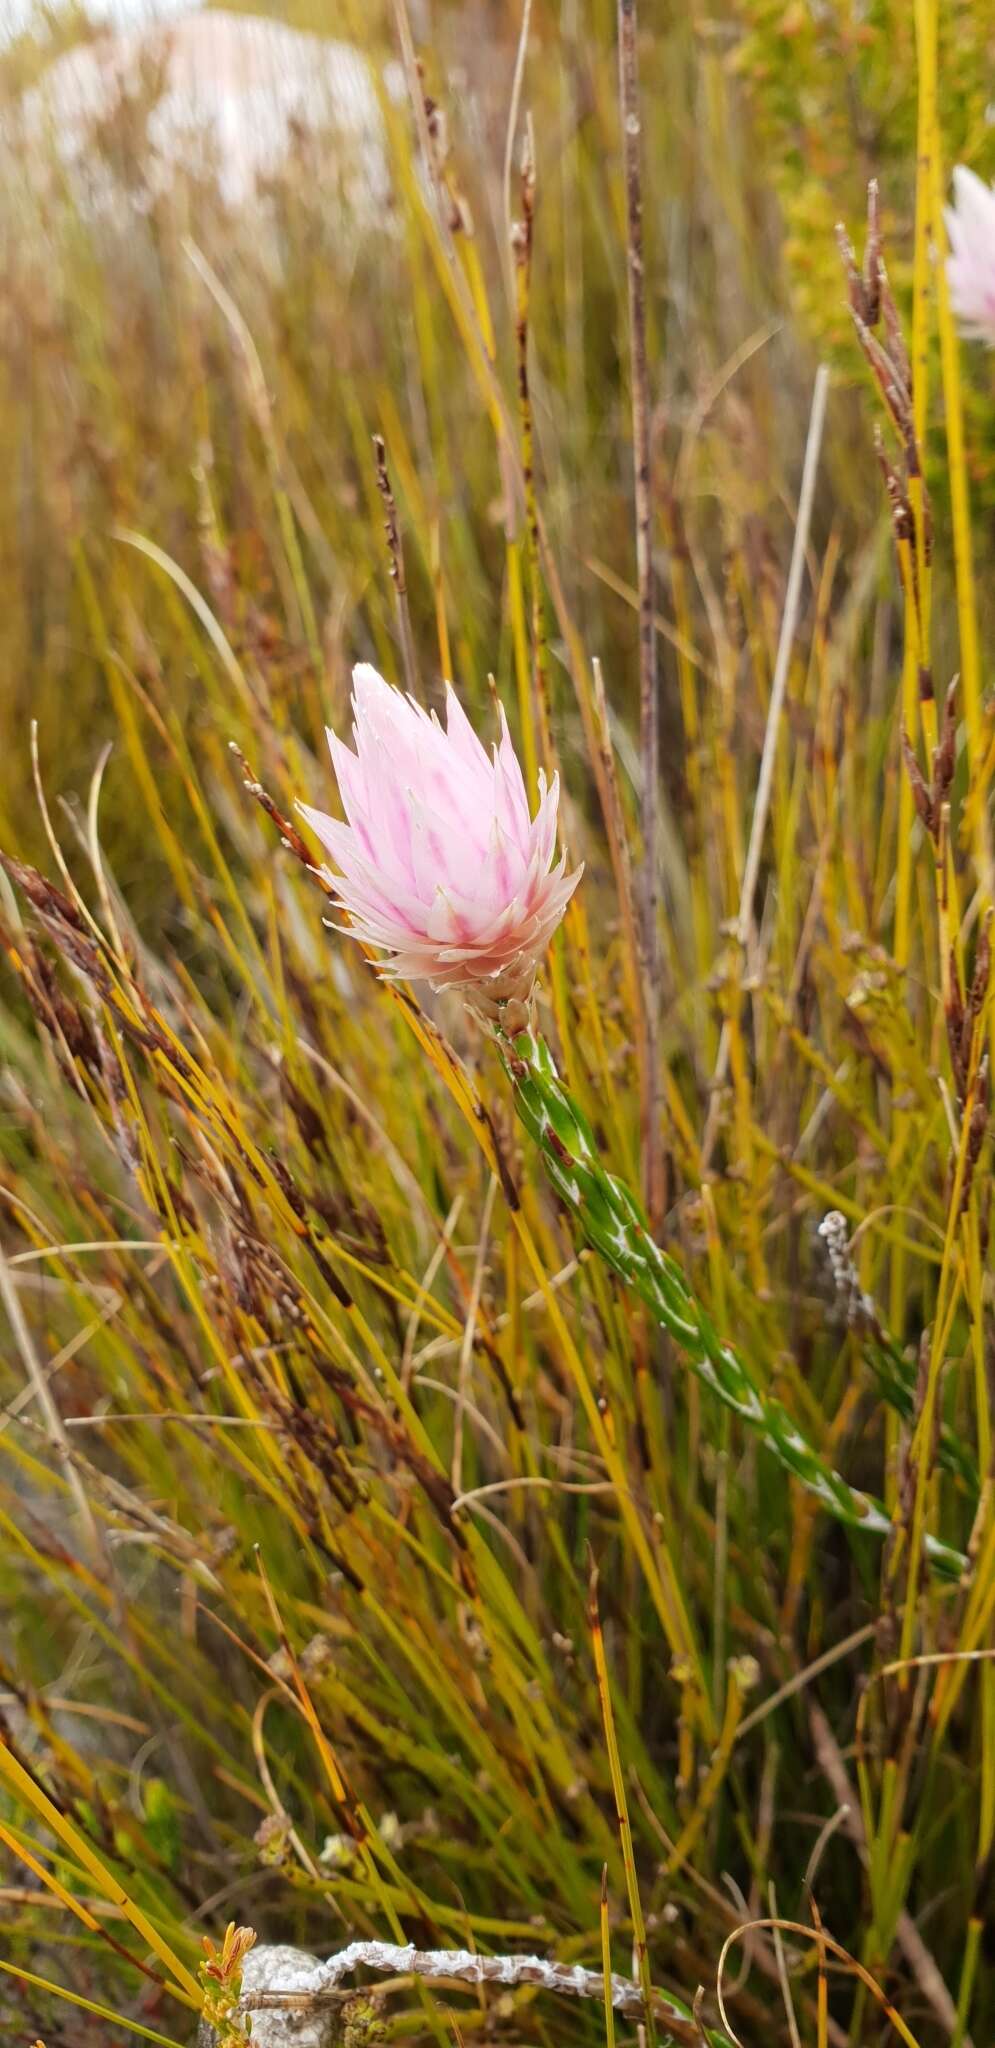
<point>439,865</point>
<point>971,263</point>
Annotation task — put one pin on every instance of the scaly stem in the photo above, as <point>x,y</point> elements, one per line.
<point>614,1224</point>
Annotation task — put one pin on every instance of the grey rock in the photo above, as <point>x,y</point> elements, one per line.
<point>278,1967</point>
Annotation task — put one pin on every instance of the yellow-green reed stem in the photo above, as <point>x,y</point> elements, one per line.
<point>910,720</point>
<point>926,144</point>
<point>708,1791</point>
<point>960,509</point>
<point>745,1157</point>
<point>523,273</point>
<point>903,900</point>
<point>975,1634</point>
<point>701,919</point>
<point>185,1987</point>
<point>986,1802</point>
<point>606,1961</point>
<point>975,1282</point>
<point>523,673</point>
<point>630,111</point>
<point>969,1967</point>
<point>717,1276</point>
<point>439,594</point>
<point>621,1805</point>
<point>922,1440</point>
<point>603,756</point>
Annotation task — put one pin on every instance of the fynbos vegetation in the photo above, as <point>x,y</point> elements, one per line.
<point>496,1460</point>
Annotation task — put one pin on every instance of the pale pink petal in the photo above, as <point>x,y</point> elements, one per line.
<point>461,736</point>
<point>349,775</point>
<point>512,801</point>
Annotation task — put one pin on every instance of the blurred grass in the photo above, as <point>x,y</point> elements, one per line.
<point>266,1316</point>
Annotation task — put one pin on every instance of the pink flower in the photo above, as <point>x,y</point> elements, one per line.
<point>440,866</point>
<point>971,263</point>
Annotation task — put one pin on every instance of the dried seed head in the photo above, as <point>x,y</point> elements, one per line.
<point>921,795</point>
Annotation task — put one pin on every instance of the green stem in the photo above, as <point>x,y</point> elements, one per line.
<point>612,1221</point>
